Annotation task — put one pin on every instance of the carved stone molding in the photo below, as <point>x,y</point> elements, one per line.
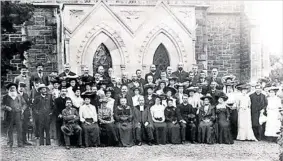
<point>110,32</point>
<point>154,32</point>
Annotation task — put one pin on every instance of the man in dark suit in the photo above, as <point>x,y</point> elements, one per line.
<point>60,104</point>
<point>124,94</point>
<point>195,72</point>
<point>214,92</point>
<point>67,72</point>
<point>149,96</point>
<point>153,72</point>
<point>139,77</point>
<point>42,77</point>
<point>125,80</point>
<point>180,73</point>
<point>216,78</point>
<point>85,77</point>
<point>258,105</point>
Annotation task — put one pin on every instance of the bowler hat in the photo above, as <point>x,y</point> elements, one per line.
<point>273,88</point>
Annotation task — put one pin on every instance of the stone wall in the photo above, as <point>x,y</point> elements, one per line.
<point>224,33</point>
<point>15,62</point>
<point>245,48</point>
<point>41,29</point>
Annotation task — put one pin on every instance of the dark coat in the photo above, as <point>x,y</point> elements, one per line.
<point>218,80</point>
<point>155,76</point>
<point>148,102</point>
<point>127,96</point>
<point>186,112</point>
<point>181,75</point>
<point>170,114</point>
<point>141,81</point>
<point>43,79</point>
<point>60,105</point>
<point>258,103</point>
<point>43,105</point>
<point>142,116</point>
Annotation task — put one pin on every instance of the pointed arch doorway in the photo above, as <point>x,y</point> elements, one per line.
<point>161,58</point>
<point>102,57</point>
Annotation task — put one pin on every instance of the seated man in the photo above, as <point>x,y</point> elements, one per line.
<point>106,121</point>
<point>143,123</point>
<point>71,126</point>
<point>88,117</point>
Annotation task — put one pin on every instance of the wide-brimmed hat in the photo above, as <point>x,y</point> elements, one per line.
<point>223,96</point>
<point>173,90</point>
<point>242,86</point>
<point>273,88</point>
<point>67,130</point>
<point>10,84</point>
<point>148,86</point>
<point>207,96</point>
<point>41,86</point>
<point>191,89</point>
<point>87,95</point>
<point>225,78</point>
<point>162,95</point>
<point>179,85</point>
<point>161,81</point>
<point>266,80</point>
<point>136,88</point>
<point>76,88</point>
<point>104,100</point>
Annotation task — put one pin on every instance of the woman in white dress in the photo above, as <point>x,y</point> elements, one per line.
<point>245,131</point>
<point>77,100</point>
<point>273,123</point>
<point>73,85</point>
<point>136,96</point>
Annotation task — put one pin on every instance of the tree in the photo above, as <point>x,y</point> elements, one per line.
<point>276,63</point>
<point>13,14</point>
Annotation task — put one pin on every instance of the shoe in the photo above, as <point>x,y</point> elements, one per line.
<point>21,146</point>
<point>67,147</point>
<point>81,146</point>
<point>193,142</point>
<point>183,142</point>
<point>149,143</point>
<point>27,143</point>
<point>140,143</point>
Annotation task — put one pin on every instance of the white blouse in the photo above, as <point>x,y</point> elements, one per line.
<point>157,111</point>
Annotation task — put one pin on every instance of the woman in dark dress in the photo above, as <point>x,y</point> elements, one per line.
<point>206,130</point>
<point>222,122</point>
<point>123,116</point>
<point>173,126</point>
<point>158,117</point>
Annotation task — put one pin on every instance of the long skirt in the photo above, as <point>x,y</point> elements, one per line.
<point>234,122</point>
<point>206,132</point>
<point>224,132</point>
<point>91,134</point>
<point>174,135</point>
<point>125,134</point>
<point>245,131</point>
<point>53,132</point>
<point>108,134</point>
<point>273,123</point>
<point>160,130</point>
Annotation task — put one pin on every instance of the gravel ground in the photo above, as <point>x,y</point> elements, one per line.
<point>240,151</point>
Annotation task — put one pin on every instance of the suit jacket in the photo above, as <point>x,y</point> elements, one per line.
<point>125,81</point>
<point>148,102</point>
<point>155,76</point>
<point>214,95</point>
<point>60,105</point>
<point>218,80</point>
<point>181,75</point>
<point>184,111</point>
<point>43,79</point>
<point>142,116</point>
<point>141,81</point>
<point>258,103</point>
<point>43,105</point>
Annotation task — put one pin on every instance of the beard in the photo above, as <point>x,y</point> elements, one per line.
<point>180,68</point>
<point>13,94</point>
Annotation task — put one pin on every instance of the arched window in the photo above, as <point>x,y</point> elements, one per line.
<point>161,58</point>
<point>102,57</point>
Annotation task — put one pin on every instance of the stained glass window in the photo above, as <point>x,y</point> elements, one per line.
<point>102,57</point>
<point>161,58</point>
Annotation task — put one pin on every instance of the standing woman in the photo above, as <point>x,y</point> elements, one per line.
<point>77,99</point>
<point>223,124</point>
<point>173,126</point>
<point>161,86</point>
<point>70,90</point>
<point>170,93</point>
<point>158,117</point>
<point>245,131</point>
<point>123,116</point>
<point>206,133</point>
<point>273,123</point>
<point>109,97</point>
